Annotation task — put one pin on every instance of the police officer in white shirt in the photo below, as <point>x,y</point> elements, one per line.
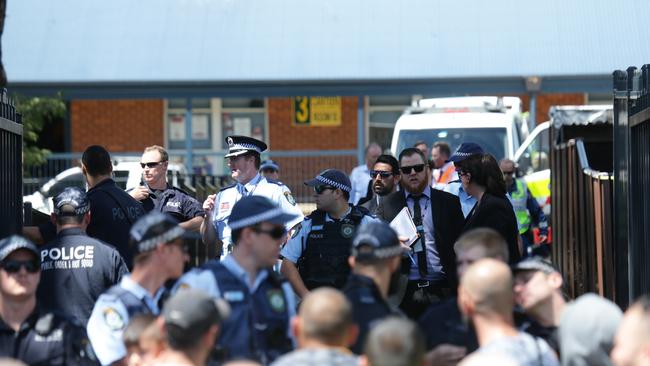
<point>244,163</point>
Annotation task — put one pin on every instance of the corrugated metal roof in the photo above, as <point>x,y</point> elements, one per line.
<point>90,41</point>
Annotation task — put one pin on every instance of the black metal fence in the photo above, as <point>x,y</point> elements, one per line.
<point>632,172</point>
<point>11,167</point>
<point>582,200</point>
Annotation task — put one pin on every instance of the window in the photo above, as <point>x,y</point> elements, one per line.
<point>536,156</point>
<point>201,123</point>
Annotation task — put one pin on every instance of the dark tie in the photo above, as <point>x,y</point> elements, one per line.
<point>417,220</point>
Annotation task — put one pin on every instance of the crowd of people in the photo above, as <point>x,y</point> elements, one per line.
<point>104,281</point>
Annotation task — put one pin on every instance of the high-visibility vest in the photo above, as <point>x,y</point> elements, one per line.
<point>445,177</point>
<point>519,197</point>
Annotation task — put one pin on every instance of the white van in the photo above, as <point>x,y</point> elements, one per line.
<point>495,123</point>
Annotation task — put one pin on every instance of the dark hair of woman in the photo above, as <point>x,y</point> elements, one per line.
<point>484,171</point>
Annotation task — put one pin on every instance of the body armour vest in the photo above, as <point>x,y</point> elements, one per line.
<point>257,327</point>
<point>324,260</point>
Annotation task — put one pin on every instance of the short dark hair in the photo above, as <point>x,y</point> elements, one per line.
<point>443,147</point>
<point>69,220</point>
<point>410,151</point>
<point>390,160</point>
<point>256,155</point>
<point>97,161</point>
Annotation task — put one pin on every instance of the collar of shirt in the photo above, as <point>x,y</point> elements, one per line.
<point>426,193</point>
<point>71,231</point>
<point>107,181</point>
<point>330,219</point>
<point>250,186</point>
<point>231,264</point>
<point>141,293</point>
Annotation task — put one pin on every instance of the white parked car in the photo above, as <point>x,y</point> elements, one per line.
<point>127,174</point>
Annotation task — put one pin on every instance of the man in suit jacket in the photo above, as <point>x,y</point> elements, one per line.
<point>385,177</point>
<point>430,268</point>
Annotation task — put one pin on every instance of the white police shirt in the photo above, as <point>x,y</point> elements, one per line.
<point>110,317</point>
<point>360,177</point>
<point>294,247</point>
<point>260,186</point>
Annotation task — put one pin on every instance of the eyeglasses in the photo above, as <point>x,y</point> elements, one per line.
<point>381,173</point>
<point>461,172</point>
<point>14,266</point>
<point>407,169</point>
<point>152,164</point>
<point>277,232</point>
<point>321,189</point>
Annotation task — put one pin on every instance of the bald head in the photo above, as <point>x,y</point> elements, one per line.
<point>632,340</point>
<point>486,288</point>
<point>325,315</point>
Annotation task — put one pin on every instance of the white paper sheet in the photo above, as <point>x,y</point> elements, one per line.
<point>404,226</point>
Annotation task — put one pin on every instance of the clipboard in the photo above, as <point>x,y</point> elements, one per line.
<point>404,226</point>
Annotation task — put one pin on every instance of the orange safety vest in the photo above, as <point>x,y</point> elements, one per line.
<point>446,175</point>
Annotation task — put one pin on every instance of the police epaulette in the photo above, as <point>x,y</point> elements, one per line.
<point>273,181</point>
<point>179,189</point>
<point>227,187</point>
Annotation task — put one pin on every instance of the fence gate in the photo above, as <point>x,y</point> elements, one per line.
<point>632,173</point>
<point>11,167</point>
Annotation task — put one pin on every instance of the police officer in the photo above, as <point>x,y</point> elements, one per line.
<point>76,268</point>
<point>244,162</point>
<point>27,332</point>
<point>317,254</point>
<point>527,210</point>
<point>376,257</point>
<point>157,194</point>
<point>270,170</point>
<point>114,211</point>
<point>157,242</point>
<point>261,303</point>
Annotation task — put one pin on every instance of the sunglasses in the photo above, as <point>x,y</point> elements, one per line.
<point>14,266</point>
<point>278,232</point>
<point>407,169</point>
<point>152,164</point>
<point>321,189</point>
<point>381,173</point>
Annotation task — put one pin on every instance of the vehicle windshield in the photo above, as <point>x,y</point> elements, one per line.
<point>492,140</point>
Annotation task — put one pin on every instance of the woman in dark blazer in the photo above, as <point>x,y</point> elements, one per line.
<point>481,178</point>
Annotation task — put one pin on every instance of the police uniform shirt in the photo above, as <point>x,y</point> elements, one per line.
<point>434,267</point>
<point>113,212</point>
<point>467,202</point>
<point>294,248</point>
<point>359,178</point>
<point>204,279</point>
<point>260,186</point>
<point>175,202</point>
<point>110,316</point>
<point>75,270</point>
<point>46,339</point>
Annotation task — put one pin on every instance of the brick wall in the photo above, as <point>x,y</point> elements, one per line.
<point>283,135</point>
<point>118,125</point>
<point>545,101</point>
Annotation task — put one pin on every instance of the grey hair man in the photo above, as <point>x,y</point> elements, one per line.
<point>394,342</point>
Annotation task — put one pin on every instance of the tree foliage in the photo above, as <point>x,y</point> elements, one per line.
<point>36,113</point>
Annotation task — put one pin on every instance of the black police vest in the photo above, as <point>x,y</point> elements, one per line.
<point>257,327</point>
<point>132,303</point>
<point>324,260</point>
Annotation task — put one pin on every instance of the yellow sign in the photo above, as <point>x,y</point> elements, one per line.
<point>317,111</point>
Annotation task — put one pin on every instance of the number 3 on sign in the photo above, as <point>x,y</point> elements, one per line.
<point>301,108</point>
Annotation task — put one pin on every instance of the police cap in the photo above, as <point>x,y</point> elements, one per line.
<point>376,240</point>
<point>269,164</point>
<point>333,178</point>
<point>191,312</point>
<point>252,210</point>
<point>12,243</point>
<point>535,263</point>
<point>464,151</point>
<point>152,229</point>
<point>238,145</point>
<point>72,201</point>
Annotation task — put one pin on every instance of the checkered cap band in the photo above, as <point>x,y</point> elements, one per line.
<point>254,219</point>
<point>244,146</point>
<point>332,183</point>
<point>78,211</point>
<point>167,236</point>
